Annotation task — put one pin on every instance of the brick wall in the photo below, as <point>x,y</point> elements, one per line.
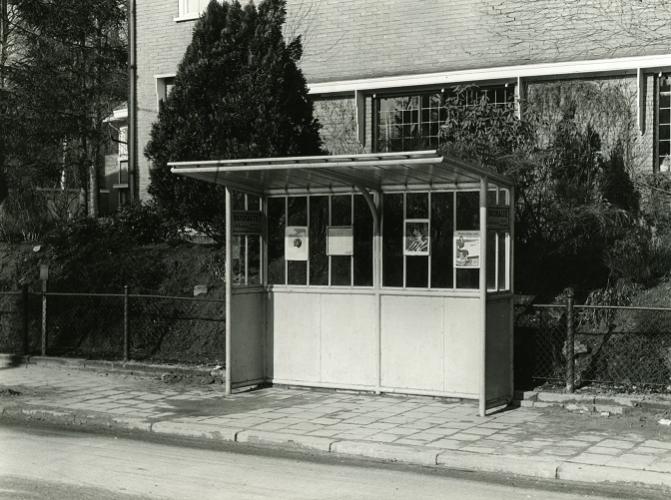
<point>161,43</point>
<point>345,39</point>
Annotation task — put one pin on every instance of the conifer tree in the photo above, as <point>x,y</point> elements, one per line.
<point>238,94</point>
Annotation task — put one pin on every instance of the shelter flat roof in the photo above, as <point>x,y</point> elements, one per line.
<point>377,171</point>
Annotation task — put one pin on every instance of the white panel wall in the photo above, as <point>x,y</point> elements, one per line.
<point>463,345</point>
<point>413,342</point>
<point>296,336</point>
<point>348,339</point>
<point>428,343</point>
<point>431,343</point>
<point>325,338</point>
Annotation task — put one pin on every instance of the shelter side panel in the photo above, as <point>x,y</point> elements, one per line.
<point>463,345</point>
<point>412,342</point>
<point>248,326</point>
<point>499,344</point>
<point>349,339</point>
<point>296,338</point>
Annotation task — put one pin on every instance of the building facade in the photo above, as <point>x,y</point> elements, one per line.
<point>380,71</point>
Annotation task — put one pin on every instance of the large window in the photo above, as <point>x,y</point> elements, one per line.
<point>320,240</point>
<point>407,122</point>
<point>432,240</point>
<point>664,124</point>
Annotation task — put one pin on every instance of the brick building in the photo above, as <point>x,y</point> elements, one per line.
<point>378,71</point>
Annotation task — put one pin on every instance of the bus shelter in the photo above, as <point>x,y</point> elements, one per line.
<point>387,272</point>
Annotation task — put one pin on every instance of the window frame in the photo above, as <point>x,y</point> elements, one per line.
<point>509,87</point>
<point>184,15</point>
<point>658,160</point>
<point>502,196</point>
<point>329,195</point>
<point>163,82</point>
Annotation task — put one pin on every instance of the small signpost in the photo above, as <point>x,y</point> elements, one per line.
<point>44,277</point>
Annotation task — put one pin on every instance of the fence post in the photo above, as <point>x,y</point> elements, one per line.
<point>570,344</point>
<point>44,318</point>
<point>126,322</point>
<point>25,317</point>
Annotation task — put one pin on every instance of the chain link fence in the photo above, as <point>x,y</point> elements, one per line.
<point>627,347</point>
<point>116,326</point>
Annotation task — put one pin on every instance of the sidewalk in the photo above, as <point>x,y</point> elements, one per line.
<point>549,443</point>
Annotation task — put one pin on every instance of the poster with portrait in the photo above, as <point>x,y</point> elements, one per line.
<point>417,237</point>
<point>467,249</point>
<point>296,243</point>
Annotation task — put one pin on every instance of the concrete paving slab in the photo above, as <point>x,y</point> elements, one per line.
<point>529,442</point>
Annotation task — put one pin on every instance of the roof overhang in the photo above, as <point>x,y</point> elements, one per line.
<point>375,172</point>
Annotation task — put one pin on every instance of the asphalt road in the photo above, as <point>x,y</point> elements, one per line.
<point>45,464</point>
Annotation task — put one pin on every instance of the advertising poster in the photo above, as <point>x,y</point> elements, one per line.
<point>467,249</point>
<point>416,237</point>
<point>296,243</point>
<point>339,240</point>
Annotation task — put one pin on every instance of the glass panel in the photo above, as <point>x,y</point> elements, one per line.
<point>664,102</point>
<point>664,116</point>
<point>491,260</point>
<point>468,278</point>
<point>253,202</point>
<point>341,270</point>
<point>298,215</point>
<point>276,225</point>
<point>417,272</point>
<point>363,243</point>
<point>468,211</point>
<point>237,200</point>
<point>393,240</point>
<point>503,263</point>
<point>297,272</point>
<point>491,198</point>
<point>254,260</point>
<point>341,210</point>
<point>319,264</point>
<point>417,206</point>
<point>442,228</point>
<point>238,259</point>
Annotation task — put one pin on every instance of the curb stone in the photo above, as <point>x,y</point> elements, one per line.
<point>387,451</point>
<point>537,467</point>
<point>196,430</point>
<point>290,440</point>
<point>122,367</point>
<point>588,473</point>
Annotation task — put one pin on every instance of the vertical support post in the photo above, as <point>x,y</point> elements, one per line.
<point>640,101</point>
<point>520,97</point>
<point>25,317</point>
<point>229,273</point>
<point>482,406</point>
<point>511,282</point>
<point>43,351</point>
<point>360,104</point>
<point>570,344</point>
<point>126,322</point>
<point>132,102</point>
